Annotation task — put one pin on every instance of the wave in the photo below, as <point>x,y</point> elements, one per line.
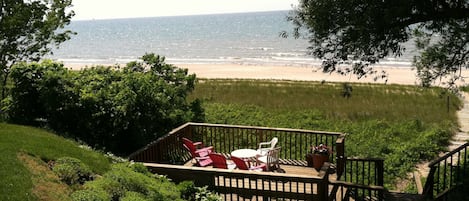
<point>282,59</point>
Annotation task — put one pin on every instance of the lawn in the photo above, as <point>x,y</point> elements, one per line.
<point>25,151</point>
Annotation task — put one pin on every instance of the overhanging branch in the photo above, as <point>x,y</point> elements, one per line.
<point>447,14</point>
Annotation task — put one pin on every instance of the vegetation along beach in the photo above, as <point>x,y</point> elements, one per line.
<point>86,91</point>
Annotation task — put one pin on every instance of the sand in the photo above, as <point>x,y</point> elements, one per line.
<point>396,75</point>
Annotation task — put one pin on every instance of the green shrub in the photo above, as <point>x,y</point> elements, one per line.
<point>118,110</point>
<point>72,171</point>
<point>122,179</point>
<point>37,88</point>
<point>191,192</point>
<point>140,168</point>
<point>134,196</point>
<point>90,195</point>
<point>203,194</point>
<point>187,189</point>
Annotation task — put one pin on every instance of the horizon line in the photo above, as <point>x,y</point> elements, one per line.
<point>182,15</point>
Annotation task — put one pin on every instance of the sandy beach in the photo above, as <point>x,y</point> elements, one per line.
<point>396,75</point>
<point>399,75</point>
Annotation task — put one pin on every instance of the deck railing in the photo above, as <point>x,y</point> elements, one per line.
<point>362,171</point>
<point>344,191</point>
<point>250,185</point>
<point>295,143</point>
<point>447,174</point>
<point>361,179</point>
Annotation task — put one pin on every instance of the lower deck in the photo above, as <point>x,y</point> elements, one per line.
<point>286,167</point>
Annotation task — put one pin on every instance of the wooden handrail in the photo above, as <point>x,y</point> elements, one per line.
<point>364,159</point>
<point>443,175</point>
<point>377,192</point>
<point>447,155</point>
<point>350,184</point>
<point>264,128</point>
<point>172,132</point>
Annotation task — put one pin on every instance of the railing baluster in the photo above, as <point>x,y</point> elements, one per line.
<point>445,174</point>
<point>437,180</point>
<point>451,167</point>
<point>464,171</point>
<point>356,172</point>
<point>345,171</point>
<point>363,173</point>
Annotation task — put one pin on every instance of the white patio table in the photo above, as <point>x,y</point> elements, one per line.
<point>244,153</point>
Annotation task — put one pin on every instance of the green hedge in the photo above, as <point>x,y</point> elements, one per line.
<point>118,110</point>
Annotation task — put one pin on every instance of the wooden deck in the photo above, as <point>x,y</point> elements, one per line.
<point>284,169</point>
<point>292,181</point>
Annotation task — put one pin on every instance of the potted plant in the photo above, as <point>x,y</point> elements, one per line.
<point>320,155</point>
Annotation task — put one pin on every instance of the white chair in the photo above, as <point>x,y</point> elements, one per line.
<point>271,159</point>
<point>264,147</point>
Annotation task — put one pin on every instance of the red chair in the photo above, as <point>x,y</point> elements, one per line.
<point>219,161</point>
<point>199,154</point>
<point>196,149</point>
<point>243,165</point>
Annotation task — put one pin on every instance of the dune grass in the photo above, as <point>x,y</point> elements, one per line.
<point>368,101</point>
<point>18,141</point>
<point>402,124</point>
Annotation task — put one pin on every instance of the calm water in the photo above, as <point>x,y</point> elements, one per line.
<point>247,38</point>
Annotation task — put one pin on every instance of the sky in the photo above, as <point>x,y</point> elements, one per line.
<point>111,9</point>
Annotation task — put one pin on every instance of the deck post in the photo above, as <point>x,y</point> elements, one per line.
<point>428,188</point>
<point>340,157</point>
<point>380,175</point>
<point>323,186</point>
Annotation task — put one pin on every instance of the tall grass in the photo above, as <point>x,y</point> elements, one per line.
<point>16,183</point>
<point>368,101</point>
<point>402,124</point>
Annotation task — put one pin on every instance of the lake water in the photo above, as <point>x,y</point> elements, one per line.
<point>243,38</point>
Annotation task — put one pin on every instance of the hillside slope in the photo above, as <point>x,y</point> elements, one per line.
<point>17,141</point>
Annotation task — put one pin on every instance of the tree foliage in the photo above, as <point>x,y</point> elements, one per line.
<point>350,36</point>
<point>28,28</point>
<point>118,110</point>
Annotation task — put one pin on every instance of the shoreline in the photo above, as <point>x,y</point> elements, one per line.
<point>396,75</point>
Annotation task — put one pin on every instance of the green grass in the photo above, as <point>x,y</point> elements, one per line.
<point>402,124</point>
<point>16,179</point>
<point>368,101</point>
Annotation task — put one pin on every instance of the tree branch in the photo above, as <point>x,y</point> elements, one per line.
<point>451,13</point>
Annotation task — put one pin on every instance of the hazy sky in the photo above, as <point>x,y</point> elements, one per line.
<point>107,9</point>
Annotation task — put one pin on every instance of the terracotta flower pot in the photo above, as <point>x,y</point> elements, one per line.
<point>319,159</point>
<point>309,159</point>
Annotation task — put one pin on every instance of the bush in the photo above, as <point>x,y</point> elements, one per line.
<point>122,181</point>
<point>191,192</point>
<point>203,194</point>
<point>187,189</point>
<point>90,195</point>
<point>37,89</point>
<point>72,171</point>
<point>133,196</point>
<point>119,110</point>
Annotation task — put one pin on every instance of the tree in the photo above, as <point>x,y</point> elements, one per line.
<point>359,33</point>
<point>27,30</point>
<point>110,108</point>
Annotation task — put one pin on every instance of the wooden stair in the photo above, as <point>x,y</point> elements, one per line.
<point>395,196</point>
